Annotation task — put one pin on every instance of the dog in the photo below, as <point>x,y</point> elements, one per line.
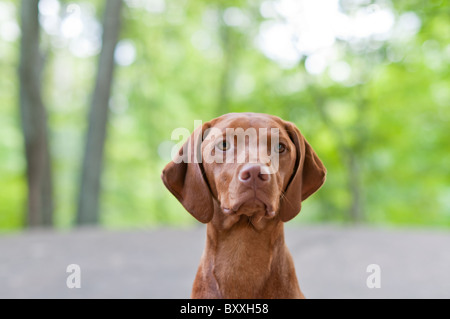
<point>245,188</point>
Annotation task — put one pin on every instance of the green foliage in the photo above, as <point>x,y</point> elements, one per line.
<point>392,120</point>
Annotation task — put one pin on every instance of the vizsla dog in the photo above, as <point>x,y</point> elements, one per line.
<point>245,200</point>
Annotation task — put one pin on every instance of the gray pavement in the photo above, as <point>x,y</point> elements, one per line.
<point>331,262</point>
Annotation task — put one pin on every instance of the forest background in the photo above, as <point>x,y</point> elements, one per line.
<point>90,92</point>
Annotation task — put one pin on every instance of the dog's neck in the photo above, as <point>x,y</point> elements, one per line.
<point>241,257</point>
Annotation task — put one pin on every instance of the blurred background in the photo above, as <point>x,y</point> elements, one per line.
<point>90,92</point>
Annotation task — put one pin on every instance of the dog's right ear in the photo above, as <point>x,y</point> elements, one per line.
<point>184,178</point>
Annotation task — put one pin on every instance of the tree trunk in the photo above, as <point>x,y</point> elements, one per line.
<point>354,186</point>
<point>225,76</point>
<point>350,158</point>
<point>88,205</point>
<point>229,60</point>
<point>34,120</point>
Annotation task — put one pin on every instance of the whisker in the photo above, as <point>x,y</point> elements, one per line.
<point>283,195</point>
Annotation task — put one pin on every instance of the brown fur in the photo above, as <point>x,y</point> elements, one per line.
<point>245,255</point>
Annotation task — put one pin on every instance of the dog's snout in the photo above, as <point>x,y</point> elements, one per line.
<point>254,174</point>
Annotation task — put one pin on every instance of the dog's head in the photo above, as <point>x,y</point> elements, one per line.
<point>249,164</point>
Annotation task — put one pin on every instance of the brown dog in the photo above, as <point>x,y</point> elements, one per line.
<point>245,206</point>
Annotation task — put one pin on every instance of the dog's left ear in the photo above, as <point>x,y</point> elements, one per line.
<point>309,175</point>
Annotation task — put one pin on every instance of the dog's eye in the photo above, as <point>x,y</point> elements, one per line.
<point>280,148</point>
<point>223,145</point>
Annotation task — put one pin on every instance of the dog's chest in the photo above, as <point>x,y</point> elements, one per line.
<point>242,265</point>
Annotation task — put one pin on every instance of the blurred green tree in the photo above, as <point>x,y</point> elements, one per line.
<point>90,188</point>
<point>34,120</point>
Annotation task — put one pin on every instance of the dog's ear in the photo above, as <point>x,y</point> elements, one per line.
<point>309,175</point>
<point>184,178</point>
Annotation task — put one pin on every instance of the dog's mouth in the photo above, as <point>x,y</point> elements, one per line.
<point>251,206</point>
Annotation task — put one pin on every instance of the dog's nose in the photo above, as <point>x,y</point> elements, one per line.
<point>254,174</point>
